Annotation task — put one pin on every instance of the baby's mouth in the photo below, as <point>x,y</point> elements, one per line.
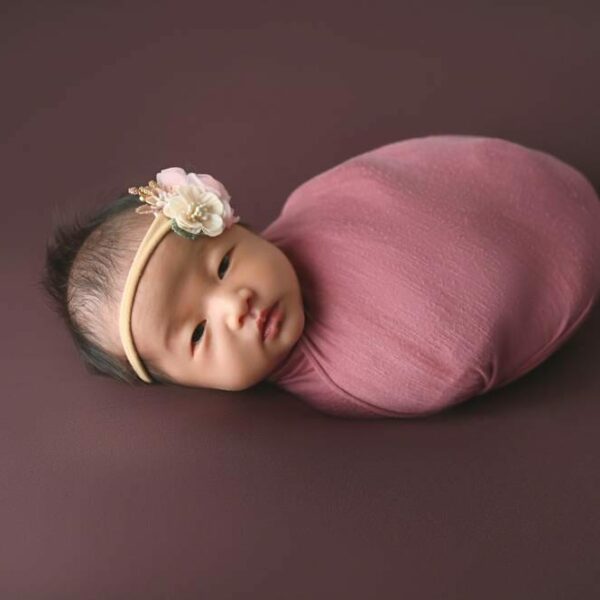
<point>263,319</point>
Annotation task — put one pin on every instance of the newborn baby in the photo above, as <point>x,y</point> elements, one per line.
<point>396,284</point>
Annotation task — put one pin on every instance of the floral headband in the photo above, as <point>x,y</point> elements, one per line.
<point>189,204</point>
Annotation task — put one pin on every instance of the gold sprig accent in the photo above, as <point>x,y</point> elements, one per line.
<point>149,194</point>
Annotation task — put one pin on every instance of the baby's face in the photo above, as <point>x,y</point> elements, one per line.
<point>196,308</point>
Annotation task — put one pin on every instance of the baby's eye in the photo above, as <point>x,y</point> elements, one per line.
<point>197,333</point>
<point>196,339</point>
<point>224,261</point>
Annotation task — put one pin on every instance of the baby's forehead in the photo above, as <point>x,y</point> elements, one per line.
<point>161,288</point>
<point>173,257</point>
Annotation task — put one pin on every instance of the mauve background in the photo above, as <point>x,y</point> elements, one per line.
<point>152,493</point>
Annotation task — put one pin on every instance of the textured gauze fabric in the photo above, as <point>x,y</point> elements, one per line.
<point>433,270</point>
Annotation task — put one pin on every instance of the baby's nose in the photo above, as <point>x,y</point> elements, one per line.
<point>243,308</point>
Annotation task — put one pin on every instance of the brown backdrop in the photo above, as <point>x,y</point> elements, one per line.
<point>110,492</point>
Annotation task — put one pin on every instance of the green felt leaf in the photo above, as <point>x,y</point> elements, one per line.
<point>182,232</point>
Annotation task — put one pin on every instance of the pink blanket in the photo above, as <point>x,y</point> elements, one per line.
<point>433,270</point>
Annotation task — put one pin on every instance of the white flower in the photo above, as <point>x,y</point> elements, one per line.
<point>196,210</point>
<point>196,203</point>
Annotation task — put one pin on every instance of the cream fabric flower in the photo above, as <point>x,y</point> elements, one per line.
<point>197,204</point>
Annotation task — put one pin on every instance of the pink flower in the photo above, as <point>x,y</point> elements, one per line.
<point>197,204</point>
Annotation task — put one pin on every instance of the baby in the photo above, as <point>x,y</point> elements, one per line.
<point>396,284</point>
<point>216,305</point>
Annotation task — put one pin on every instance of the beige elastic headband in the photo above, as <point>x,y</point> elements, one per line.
<point>191,205</point>
<point>156,232</point>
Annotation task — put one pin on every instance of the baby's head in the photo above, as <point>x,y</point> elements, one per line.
<point>195,313</point>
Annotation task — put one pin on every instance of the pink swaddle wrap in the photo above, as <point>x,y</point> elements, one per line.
<point>433,270</point>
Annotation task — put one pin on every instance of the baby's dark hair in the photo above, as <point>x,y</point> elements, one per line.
<point>96,245</point>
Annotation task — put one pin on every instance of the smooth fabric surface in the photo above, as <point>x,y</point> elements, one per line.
<point>433,270</point>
